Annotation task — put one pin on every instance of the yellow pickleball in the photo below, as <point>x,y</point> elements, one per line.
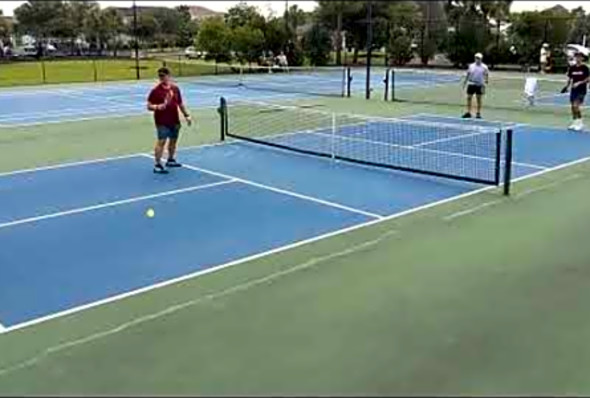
<point>150,213</point>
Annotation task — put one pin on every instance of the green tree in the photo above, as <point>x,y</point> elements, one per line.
<point>147,28</point>
<point>275,35</point>
<point>317,45</point>
<point>529,30</point>
<point>470,31</point>
<point>6,28</point>
<point>295,18</point>
<point>187,29</point>
<point>167,20</point>
<point>214,38</point>
<point>244,15</point>
<point>404,25</point>
<point>38,18</point>
<point>248,43</point>
<point>433,29</point>
<point>106,26</point>
<point>340,16</point>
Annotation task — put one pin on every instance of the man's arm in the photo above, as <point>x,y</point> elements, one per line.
<point>155,107</point>
<point>182,108</point>
<point>151,106</point>
<point>465,78</point>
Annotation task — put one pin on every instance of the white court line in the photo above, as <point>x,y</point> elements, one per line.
<point>465,121</point>
<point>70,164</point>
<point>282,191</point>
<point>113,204</point>
<point>95,97</point>
<point>457,137</point>
<point>518,196</point>
<point>137,113</point>
<point>66,112</point>
<point>108,159</point>
<point>471,210</point>
<point>277,250</point>
<point>74,119</point>
<point>240,287</point>
<point>2,328</point>
<point>236,262</point>
<point>414,147</point>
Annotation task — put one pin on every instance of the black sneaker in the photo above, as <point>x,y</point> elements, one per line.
<point>466,115</point>
<point>159,169</point>
<point>478,116</point>
<point>172,163</point>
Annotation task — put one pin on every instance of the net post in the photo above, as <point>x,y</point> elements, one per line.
<point>498,157</point>
<point>348,80</point>
<point>386,82</point>
<point>333,150</point>
<point>508,162</point>
<point>392,84</point>
<point>222,110</point>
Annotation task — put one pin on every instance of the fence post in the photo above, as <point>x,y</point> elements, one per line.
<point>43,71</point>
<point>94,69</point>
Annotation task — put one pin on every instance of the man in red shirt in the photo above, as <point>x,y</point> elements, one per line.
<point>165,100</point>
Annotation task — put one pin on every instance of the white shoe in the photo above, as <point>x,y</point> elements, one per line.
<point>577,125</point>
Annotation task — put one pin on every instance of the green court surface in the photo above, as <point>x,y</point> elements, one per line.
<point>68,71</point>
<point>480,295</point>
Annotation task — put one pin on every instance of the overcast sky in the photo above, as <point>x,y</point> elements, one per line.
<point>278,6</point>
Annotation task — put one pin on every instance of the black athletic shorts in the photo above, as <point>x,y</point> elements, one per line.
<point>474,89</point>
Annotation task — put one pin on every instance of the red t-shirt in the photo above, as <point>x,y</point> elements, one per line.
<point>169,115</point>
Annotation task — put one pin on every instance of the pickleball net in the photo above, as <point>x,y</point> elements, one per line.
<point>469,153</point>
<point>324,81</point>
<point>505,91</point>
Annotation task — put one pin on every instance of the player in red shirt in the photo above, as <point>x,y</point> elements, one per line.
<point>165,100</point>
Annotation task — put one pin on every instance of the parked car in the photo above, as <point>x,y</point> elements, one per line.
<point>192,53</point>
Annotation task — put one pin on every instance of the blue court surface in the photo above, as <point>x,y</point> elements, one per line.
<point>74,236</point>
<point>27,106</point>
<point>35,105</point>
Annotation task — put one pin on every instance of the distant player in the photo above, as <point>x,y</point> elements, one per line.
<point>578,76</point>
<point>165,100</point>
<point>476,81</point>
<point>544,58</point>
<point>530,90</point>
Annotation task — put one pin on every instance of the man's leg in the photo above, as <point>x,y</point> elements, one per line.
<point>172,143</point>
<point>159,150</point>
<point>469,101</point>
<point>574,108</point>
<point>478,99</point>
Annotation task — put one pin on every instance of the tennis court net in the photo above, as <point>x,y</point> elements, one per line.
<point>505,90</point>
<point>468,153</point>
<point>325,81</point>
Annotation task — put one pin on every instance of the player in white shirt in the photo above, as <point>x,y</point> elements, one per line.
<point>544,57</point>
<point>530,90</point>
<point>476,81</point>
<point>282,61</point>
